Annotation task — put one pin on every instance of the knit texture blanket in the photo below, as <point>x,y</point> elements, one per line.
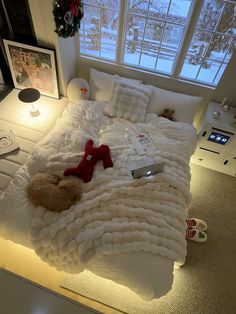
<point>116,213</point>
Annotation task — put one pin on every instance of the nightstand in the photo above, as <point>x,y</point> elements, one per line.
<point>28,130</point>
<point>216,148</point>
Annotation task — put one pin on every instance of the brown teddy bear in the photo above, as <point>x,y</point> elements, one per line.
<point>53,192</point>
<point>168,114</point>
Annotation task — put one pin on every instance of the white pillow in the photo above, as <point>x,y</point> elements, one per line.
<point>77,89</point>
<point>185,106</point>
<point>129,101</point>
<point>101,84</point>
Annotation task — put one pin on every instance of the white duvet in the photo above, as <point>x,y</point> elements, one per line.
<point>116,214</point>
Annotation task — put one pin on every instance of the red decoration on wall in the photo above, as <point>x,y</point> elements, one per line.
<point>67,16</point>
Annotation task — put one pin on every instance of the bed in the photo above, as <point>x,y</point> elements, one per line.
<point>129,231</point>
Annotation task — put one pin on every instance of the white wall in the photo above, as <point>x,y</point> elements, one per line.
<point>227,85</point>
<point>66,52</point>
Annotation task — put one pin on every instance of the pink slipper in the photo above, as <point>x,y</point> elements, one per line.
<point>195,235</point>
<point>196,223</point>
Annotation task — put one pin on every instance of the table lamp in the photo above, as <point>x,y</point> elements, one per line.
<point>30,95</point>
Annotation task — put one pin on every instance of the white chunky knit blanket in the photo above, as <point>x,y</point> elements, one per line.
<point>116,214</point>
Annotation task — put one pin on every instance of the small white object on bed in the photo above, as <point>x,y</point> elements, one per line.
<point>78,89</point>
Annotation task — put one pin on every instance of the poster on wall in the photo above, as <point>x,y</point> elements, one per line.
<point>33,67</point>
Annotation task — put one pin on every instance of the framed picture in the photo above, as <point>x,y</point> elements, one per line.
<point>32,67</point>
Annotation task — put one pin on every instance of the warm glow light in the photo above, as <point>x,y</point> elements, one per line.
<point>46,114</point>
<point>34,111</point>
<point>29,265</point>
<point>102,289</point>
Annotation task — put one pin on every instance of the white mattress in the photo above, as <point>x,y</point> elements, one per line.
<point>149,275</point>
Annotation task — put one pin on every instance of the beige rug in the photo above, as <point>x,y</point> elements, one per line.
<point>207,282</point>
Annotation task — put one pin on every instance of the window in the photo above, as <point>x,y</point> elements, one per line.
<point>189,39</point>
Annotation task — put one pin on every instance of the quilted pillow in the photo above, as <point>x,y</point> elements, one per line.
<point>129,101</point>
<point>101,84</point>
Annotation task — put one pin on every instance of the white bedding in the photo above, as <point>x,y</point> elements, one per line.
<point>149,226</point>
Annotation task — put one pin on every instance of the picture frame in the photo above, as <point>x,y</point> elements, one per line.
<point>33,67</point>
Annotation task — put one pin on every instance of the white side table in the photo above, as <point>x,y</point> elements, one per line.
<point>216,148</point>
<point>28,130</point>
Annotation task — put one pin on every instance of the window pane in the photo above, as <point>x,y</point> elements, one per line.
<point>134,39</point>
<point>139,7</point>
<point>153,31</point>
<point>195,57</point>
<point>151,43</point>
<point>108,34</point>
<point>179,10</point>
<point>170,43</point>
<point>208,71</point>
<point>158,9</point>
<point>148,60</point>
<point>165,61</point>
<point>228,20</point>
<point>92,44</point>
<point>218,47</point>
<point>91,18</point>
<point>198,47</point>
<point>210,14</point>
<point>190,68</point>
<point>172,36</point>
<point>150,36</point>
<point>99,29</point>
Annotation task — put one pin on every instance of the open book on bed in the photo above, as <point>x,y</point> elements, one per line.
<point>8,142</point>
<point>142,143</point>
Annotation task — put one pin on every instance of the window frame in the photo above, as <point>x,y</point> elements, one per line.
<point>187,37</point>
<point>190,27</point>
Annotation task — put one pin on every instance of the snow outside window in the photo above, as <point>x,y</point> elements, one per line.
<point>154,35</point>
<point>99,29</point>
<point>213,42</point>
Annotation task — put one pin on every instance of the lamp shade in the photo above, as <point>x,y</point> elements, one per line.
<point>29,95</point>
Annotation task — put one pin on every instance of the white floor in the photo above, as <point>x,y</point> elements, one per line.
<point>19,296</point>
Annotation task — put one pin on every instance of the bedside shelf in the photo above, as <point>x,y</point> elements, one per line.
<point>28,130</point>
<point>216,148</point>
